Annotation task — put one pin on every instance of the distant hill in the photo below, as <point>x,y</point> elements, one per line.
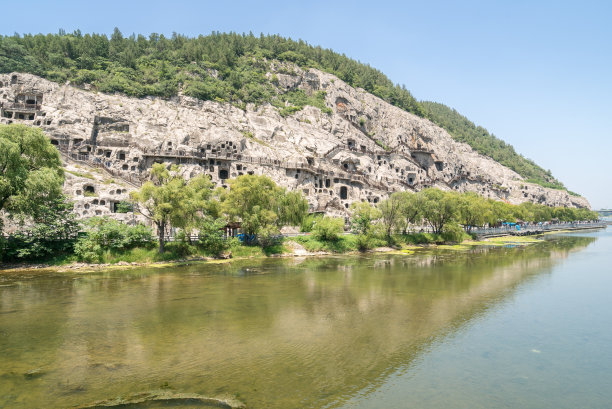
<point>229,68</point>
<point>464,130</point>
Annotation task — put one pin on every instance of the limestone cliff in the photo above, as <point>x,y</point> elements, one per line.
<point>363,151</point>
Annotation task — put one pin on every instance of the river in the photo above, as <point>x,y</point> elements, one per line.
<point>492,327</point>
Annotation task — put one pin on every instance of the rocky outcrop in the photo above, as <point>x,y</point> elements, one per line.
<point>363,151</point>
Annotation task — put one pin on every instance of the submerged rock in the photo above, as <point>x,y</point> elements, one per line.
<point>165,397</point>
<point>34,373</point>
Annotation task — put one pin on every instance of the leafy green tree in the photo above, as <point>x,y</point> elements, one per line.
<point>542,213</point>
<point>438,208</point>
<point>261,206</point>
<point>196,204</point>
<point>586,214</point>
<point>292,208</point>
<point>391,213</point>
<point>212,237</point>
<point>308,222</point>
<point>564,214</point>
<point>31,175</point>
<point>473,210</point>
<point>51,232</point>
<point>169,200</point>
<point>328,228</point>
<point>124,207</point>
<point>452,232</point>
<point>251,199</point>
<point>499,212</point>
<point>363,215</point>
<point>520,212</point>
<point>410,209</point>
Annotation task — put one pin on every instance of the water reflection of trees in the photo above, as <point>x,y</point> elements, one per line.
<point>282,333</point>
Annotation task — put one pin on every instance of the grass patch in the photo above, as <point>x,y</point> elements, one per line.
<point>402,252</point>
<point>482,243</point>
<point>81,174</point>
<point>246,251</point>
<point>456,247</point>
<point>252,137</point>
<point>136,255</point>
<point>275,249</point>
<point>243,251</point>
<point>345,243</point>
<point>173,251</point>
<point>294,101</point>
<point>418,238</point>
<point>515,240</point>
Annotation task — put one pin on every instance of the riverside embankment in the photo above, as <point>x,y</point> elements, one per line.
<point>291,247</point>
<point>536,229</point>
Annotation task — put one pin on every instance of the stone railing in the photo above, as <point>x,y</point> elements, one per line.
<point>380,182</point>
<point>357,176</point>
<point>535,228</point>
<point>126,177</point>
<point>21,106</point>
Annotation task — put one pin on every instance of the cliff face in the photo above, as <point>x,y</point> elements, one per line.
<point>364,150</point>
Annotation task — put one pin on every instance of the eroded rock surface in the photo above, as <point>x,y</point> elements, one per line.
<point>363,151</point>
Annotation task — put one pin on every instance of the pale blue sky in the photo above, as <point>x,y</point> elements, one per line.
<point>535,73</point>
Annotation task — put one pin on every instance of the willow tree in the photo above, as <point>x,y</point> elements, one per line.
<point>261,206</point>
<point>473,210</point>
<point>363,214</point>
<point>438,208</point>
<point>169,200</point>
<point>391,213</point>
<point>410,210</point>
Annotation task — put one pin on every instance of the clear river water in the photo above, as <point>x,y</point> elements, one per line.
<point>495,327</point>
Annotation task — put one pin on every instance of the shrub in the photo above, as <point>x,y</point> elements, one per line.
<point>452,232</point>
<point>419,238</point>
<point>365,242</point>
<point>51,235</point>
<point>308,222</point>
<point>124,207</point>
<point>212,239</point>
<point>328,228</point>
<point>341,245</point>
<point>181,246</point>
<point>268,236</point>
<point>107,234</point>
<point>88,250</point>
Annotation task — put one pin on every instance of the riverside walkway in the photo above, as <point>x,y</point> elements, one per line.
<point>536,229</point>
